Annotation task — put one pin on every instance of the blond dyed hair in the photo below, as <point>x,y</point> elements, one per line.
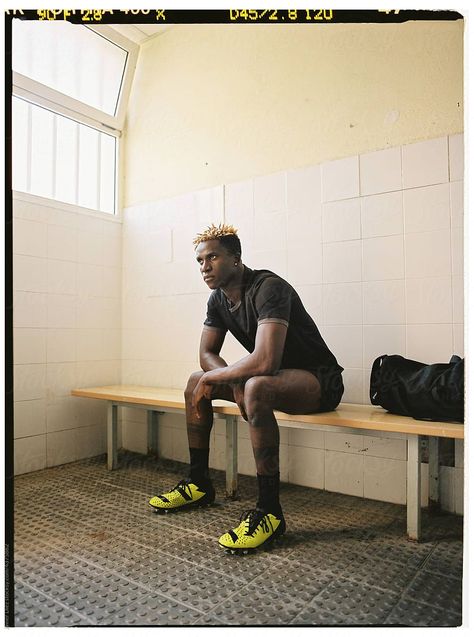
<point>215,232</point>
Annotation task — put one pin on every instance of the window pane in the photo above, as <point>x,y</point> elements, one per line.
<point>66,159</point>
<point>42,135</point>
<point>107,173</point>
<point>19,144</point>
<point>70,162</point>
<point>88,194</point>
<point>70,58</point>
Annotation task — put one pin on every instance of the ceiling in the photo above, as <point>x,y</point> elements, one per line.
<point>138,33</point>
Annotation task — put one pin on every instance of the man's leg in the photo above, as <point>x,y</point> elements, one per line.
<point>197,489</point>
<point>292,391</point>
<point>199,429</point>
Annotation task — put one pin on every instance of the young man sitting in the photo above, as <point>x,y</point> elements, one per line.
<point>289,368</point>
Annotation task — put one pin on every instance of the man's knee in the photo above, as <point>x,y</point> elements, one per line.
<point>191,384</point>
<point>259,396</point>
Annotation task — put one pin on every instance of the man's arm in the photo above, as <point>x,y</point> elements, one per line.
<point>212,340</point>
<point>264,360</point>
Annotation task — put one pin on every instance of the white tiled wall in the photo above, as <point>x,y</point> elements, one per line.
<point>67,280</point>
<point>372,243</point>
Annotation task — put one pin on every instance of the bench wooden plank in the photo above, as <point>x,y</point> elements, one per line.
<point>346,415</point>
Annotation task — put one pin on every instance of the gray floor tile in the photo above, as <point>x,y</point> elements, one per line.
<point>446,559</point>
<point>33,608</point>
<point>409,612</point>
<point>254,605</point>
<point>436,590</point>
<point>355,603</point>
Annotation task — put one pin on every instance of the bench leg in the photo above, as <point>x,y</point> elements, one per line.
<point>112,420</point>
<point>434,472</point>
<point>414,489</point>
<point>152,437</point>
<point>231,456</point>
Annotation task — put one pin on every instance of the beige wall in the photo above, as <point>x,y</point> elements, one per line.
<point>214,104</point>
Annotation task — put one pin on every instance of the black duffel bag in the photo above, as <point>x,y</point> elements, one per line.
<point>425,392</point>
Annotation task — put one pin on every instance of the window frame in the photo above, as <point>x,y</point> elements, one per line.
<point>45,96</point>
<point>57,204</point>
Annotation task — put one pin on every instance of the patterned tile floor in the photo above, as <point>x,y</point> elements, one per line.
<point>89,551</point>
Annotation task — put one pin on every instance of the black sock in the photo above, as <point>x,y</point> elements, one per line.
<point>199,466</point>
<point>269,493</point>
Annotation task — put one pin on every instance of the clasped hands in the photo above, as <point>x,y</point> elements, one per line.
<point>205,388</point>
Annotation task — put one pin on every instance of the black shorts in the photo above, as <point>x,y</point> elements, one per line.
<point>332,387</point>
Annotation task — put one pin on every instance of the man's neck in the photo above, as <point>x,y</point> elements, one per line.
<point>233,290</point>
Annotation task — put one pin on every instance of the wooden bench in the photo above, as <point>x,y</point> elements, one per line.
<point>347,417</point>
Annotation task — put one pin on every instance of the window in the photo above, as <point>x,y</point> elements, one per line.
<point>70,91</point>
<point>59,158</point>
<point>71,59</point>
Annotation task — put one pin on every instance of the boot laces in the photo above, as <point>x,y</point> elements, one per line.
<point>183,485</point>
<point>255,518</point>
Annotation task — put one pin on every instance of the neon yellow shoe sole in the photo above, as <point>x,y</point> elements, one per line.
<point>256,529</point>
<point>185,494</point>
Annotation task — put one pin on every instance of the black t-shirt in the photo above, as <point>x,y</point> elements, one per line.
<point>267,298</point>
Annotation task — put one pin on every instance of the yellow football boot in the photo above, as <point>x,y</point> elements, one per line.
<point>185,494</point>
<point>256,529</point>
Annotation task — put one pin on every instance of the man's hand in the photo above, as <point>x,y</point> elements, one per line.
<point>238,389</point>
<point>202,390</point>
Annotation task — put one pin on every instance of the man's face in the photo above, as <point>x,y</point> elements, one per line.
<point>217,265</point>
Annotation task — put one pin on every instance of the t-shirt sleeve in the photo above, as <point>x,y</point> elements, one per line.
<point>273,302</point>
<point>213,317</point>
